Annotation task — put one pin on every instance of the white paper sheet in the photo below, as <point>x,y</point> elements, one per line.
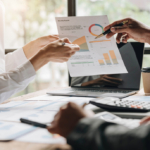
<point>34,115</point>
<point>59,98</point>
<point>43,105</point>
<point>42,136</point>
<point>138,98</point>
<point>96,56</point>
<point>45,98</point>
<point>10,131</point>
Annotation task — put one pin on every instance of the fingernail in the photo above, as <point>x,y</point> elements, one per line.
<point>113,29</point>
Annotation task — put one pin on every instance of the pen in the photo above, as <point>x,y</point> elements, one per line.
<point>33,123</point>
<point>108,31</point>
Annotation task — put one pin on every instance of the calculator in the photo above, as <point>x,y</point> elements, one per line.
<point>116,104</point>
<point>109,117</point>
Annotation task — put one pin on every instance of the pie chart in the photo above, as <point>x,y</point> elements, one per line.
<point>93,25</point>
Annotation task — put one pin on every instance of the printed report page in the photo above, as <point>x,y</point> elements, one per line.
<point>96,56</point>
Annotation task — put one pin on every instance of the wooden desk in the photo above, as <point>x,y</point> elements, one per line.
<point>15,145</point>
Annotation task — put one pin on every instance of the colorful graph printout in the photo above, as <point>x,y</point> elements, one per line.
<point>113,56</point>
<point>90,60</point>
<point>107,59</point>
<point>82,43</point>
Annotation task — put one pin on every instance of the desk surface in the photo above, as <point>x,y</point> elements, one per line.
<point>14,145</point>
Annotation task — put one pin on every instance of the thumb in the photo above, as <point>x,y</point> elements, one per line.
<point>66,40</point>
<point>145,120</point>
<point>84,105</point>
<point>120,29</point>
<point>51,129</point>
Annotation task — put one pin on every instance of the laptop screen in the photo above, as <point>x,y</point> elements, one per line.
<point>132,55</point>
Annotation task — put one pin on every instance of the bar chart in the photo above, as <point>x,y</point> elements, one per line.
<point>101,62</point>
<point>107,59</point>
<point>113,57</point>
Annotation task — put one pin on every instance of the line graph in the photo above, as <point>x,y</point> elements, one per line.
<point>100,41</point>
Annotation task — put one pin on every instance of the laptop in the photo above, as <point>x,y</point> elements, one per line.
<point>118,85</point>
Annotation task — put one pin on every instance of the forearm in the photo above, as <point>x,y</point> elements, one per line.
<point>39,60</point>
<point>89,83</point>
<point>29,50</point>
<point>100,135</point>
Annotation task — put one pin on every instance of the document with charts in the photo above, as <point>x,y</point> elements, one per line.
<point>96,56</point>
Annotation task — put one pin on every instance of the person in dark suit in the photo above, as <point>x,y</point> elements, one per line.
<point>83,132</point>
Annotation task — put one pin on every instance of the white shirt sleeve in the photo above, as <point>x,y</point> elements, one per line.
<point>16,80</point>
<point>16,72</point>
<point>15,59</point>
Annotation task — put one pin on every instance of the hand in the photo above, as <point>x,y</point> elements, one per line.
<point>54,52</point>
<point>67,118</point>
<point>146,120</point>
<point>105,80</point>
<point>133,29</point>
<point>33,47</point>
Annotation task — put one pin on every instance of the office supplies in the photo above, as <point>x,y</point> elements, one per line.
<point>95,57</point>
<point>42,136</point>
<point>10,131</point>
<point>116,104</point>
<point>132,55</point>
<point>109,117</point>
<point>33,123</point>
<point>109,30</point>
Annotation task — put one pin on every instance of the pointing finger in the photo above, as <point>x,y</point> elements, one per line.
<point>120,29</point>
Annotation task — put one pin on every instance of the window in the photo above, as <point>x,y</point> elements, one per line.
<point>116,9</point>
<point>27,20</point>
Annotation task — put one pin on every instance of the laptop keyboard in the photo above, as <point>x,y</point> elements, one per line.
<point>101,91</point>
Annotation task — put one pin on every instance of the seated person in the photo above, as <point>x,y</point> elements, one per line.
<point>17,69</point>
<point>83,132</point>
<point>87,133</point>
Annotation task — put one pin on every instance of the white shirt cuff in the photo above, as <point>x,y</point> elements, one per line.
<point>28,70</point>
<point>20,56</point>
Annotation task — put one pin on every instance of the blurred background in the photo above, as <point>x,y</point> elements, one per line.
<point>27,20</point>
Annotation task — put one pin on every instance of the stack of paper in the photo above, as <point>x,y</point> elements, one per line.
<point>40,109</point>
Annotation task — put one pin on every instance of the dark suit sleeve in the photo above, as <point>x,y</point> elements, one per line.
<point>96,134</point>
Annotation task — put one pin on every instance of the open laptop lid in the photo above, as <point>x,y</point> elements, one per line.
<point>132,55</point>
